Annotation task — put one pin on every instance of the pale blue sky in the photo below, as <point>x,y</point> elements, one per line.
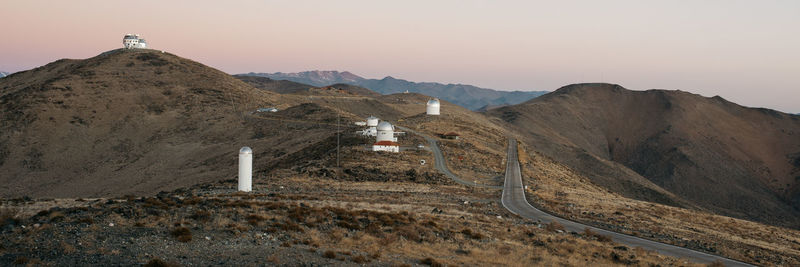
<point>744,51</point>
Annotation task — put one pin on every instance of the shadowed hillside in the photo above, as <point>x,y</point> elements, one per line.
<point>738,161</point>
<point>124,122</point>
<point>277,86</point>
<point>290,87</point>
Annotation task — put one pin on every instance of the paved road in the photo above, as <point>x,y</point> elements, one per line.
<point>514,200</point>
<point>439,162</point>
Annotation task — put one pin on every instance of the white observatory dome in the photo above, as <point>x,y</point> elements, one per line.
<point>433,107</point>
<point>372,121</point>
<point>385,126</point>
<point>385,132</point>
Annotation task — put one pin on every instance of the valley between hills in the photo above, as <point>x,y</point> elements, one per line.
<point>129,158</point>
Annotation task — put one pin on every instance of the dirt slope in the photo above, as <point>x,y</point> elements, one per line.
<point>709,152</point>
<point>124,122</point>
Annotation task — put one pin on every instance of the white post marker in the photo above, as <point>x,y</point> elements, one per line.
<point>245,169</point>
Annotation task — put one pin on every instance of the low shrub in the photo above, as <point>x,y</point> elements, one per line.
<point>430,261</point>
<point>156,262</point>
<point>469,233</point>
<point>329,254</point>
<point>360,259</point>
<point>183,234</point>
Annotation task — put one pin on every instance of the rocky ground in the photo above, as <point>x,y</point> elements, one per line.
<point>298,220</point>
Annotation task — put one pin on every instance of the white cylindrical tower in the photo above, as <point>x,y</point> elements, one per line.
<point>372,121</point>
<point>385,132</point>
<point>433,107</point>
<point>245,169</point>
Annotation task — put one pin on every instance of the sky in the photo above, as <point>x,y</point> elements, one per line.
<point>745,51</point>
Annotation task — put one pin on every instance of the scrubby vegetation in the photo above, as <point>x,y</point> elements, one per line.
<point>299,220</point>
<point>560,190</point>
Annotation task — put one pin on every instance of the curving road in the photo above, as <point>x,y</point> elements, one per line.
<point>439,162</point>
<point>514,200</point>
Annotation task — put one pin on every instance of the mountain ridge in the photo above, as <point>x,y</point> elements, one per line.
<point>683,142</point>
<point>468,96</point>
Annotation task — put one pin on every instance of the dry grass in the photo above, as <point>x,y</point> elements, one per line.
<point>558,189</point>
<point>359,222</point>
<point>554,226</point>
<point>479,153</point>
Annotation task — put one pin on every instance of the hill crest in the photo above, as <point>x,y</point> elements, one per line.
<point>682,142</point>
<point>130,121</point>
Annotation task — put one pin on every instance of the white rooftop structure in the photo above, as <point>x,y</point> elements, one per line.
<point>433,107</point>
<point>388,146</point>
<point>372,121</point>
<point>372,124</point>
<point>131,41</point>
<point>385,138</point>
<point>385,132</point>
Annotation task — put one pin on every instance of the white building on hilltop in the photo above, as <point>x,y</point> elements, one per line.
<point>433,107</point>
<point>372,124</point>
<point>385,140</point>
<point>133,41</point>
<point>386,132</point>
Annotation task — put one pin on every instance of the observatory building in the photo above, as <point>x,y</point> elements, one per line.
<point>388,146</point>
<point>133,41</point>
<point>433,107</point>
<point>372,121</point>
<point>386,132</point>
<point>372,124</point>
<point>385,140</point>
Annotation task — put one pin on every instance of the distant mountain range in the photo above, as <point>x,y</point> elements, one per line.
<point>468,96</point>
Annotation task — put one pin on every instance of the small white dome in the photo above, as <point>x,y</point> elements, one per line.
<point>245,150</point>
<point>385,126</point>
<point>434,101</point>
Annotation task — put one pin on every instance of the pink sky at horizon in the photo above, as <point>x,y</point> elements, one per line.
<point>745,51</point>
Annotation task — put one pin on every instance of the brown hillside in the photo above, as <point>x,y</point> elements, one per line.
<point>126,122</point>
<point>344,89</point>
<point>290,87</point>
<point>277,86</point>
<point>737,161</point>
